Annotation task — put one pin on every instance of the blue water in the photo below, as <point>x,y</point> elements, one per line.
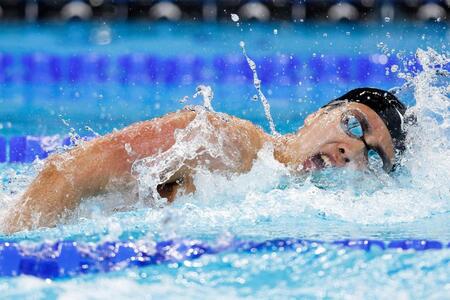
<point>57,77</point>
<point>81,68</point>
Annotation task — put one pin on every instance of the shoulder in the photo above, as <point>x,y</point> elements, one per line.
<point>225,120</point>
<point>178,119</point>
<point>217,119</point>
<point>166,124</point>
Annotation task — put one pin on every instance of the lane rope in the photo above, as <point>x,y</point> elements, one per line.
<point>146,68</point>
<point>25,149</point>
<point>71,258</point>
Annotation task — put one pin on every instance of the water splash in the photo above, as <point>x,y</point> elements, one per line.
<point>268,202</point>
<point>207,93</point>
<point>257,84</point>
<point>355,198</point>
<point>75,138</point>
<point>428,157</point>
<point>200,140</point>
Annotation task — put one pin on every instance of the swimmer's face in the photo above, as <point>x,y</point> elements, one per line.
<point>341,136</point>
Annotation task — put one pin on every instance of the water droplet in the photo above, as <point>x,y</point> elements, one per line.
<point>242,44</point>
<point>275,31</point>
<point>387,19</point>
<point>234,17</point>
<point>394,68</point>
<point>255,98</point>
<point>184,99</point>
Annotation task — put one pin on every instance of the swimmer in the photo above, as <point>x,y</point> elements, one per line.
<point>340,134</point>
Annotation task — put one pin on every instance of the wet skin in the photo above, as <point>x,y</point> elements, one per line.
<point>106,162</point>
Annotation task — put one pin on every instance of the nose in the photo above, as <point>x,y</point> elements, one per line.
<point>352,154</point>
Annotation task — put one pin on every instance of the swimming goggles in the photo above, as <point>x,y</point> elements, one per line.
<point>354,127</point>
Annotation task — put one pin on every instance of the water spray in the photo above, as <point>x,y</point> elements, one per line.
<point>207,93</point>
<point>257,84</point>
<point>409,84</point>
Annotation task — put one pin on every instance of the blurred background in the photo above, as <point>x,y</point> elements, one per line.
<point>96,65</point>
<point>220,10</point>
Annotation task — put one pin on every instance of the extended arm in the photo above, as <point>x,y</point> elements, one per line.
<point>88,169</point>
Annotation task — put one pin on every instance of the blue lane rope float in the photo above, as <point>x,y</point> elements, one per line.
<point>25,149</point>
<point>141,68</point>
<point>69,258</point>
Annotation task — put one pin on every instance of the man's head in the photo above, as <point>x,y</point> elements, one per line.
<point>386,105</point>
<point>345,130</point>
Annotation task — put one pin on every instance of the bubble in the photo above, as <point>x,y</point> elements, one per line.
<point>394,68</point>
<point>387,19</point>
<point>275,31</point>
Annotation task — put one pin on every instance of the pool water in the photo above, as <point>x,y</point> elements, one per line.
<point>91,78</point>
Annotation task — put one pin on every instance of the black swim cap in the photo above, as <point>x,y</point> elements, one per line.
<point>387,106</point>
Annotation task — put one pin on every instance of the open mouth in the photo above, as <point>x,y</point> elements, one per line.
<point>318,162</point>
